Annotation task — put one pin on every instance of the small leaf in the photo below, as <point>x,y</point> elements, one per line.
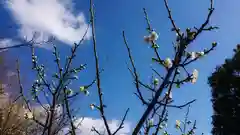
<point>155,46</point>
<point>150,122</point>
<point>156,81</point>
<point>75,77</point>
<point>86,93</point>
<point>155,60</point>
<point>69,92</point>
<point>98,107</point>
<point>92,106</point>
<point>165,133</point>
<point>56,75</point>
<point>82,67</point>
<point>148,29</point>
<point>74,71</point>
<point>189,122</point>
<point>178,85</point>
<point>238,46</point>
<point>214,44</point>
<point>160,127</point>
<point>82,88</point>
<point>178,71</point>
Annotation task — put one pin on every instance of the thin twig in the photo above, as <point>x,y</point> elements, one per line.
<point>95,130</point>
<point>180,106</point>
<point>152,42</point>
<point>122,122</point>
<point>171,19</point>
<point>211,9</point>
<point>68,112</point>
<point>185,120</point>
<point>21,93</point>
<point>135,75</point>
<point>101,108</point>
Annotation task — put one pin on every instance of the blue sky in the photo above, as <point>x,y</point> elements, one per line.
<point>112,17</point>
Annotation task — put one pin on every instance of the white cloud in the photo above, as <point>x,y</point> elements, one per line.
<point>88,123</point>
<point>11,73</point>
<point>48,18</point>
<point>5,43</point>
<point>85,124</point>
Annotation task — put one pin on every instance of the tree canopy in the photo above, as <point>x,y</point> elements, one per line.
<point>225,84</point>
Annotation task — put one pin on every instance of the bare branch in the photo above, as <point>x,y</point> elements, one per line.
<point>185,63</point>
<point>69,113</point>
<point>122,122</point>
<point>95,130</point>
<point>211,9</point>
<point>97,70</point>
<point>183,43</point>
<point>25,43</point>
<point>152,42</point>
<point>134,73</point>
<point>22,95</point>
<point>180,106</point>
<point>172,21</point>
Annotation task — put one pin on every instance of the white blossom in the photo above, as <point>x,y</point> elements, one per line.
<point>169,96</point>
<point>154,36</point>
<point>92,106</point>
<point>147,39</point>
<point>164,124</point>
<point>193,55</point>
<point>151,122</point>
<point>178,123</point>
<point>28,115</point>
<point>201,53</point>
<point>168,63</point>
<point>194,76</point>
<point>86,93</point>
<point>160,127</point>
<point>75,77</point>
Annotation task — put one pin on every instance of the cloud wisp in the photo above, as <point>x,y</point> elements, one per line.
<point>48,18</point>
<point>85,124</point>
<point>88,123</point>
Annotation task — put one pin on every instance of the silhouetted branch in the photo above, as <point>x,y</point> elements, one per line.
<point>68,112</point>
<point>25,43</point>
<point>98,81</point>
<point>122,122</point>
<point>134,73</point>
<point>185,120</point>
<point>175,28</point>
<point>95,130</point>
<point>182,43</point>
<point>185,63</point>
<point>22,95</point>
<point>180,106</point>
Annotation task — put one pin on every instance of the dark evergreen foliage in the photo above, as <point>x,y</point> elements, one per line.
<point>225,84</point>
